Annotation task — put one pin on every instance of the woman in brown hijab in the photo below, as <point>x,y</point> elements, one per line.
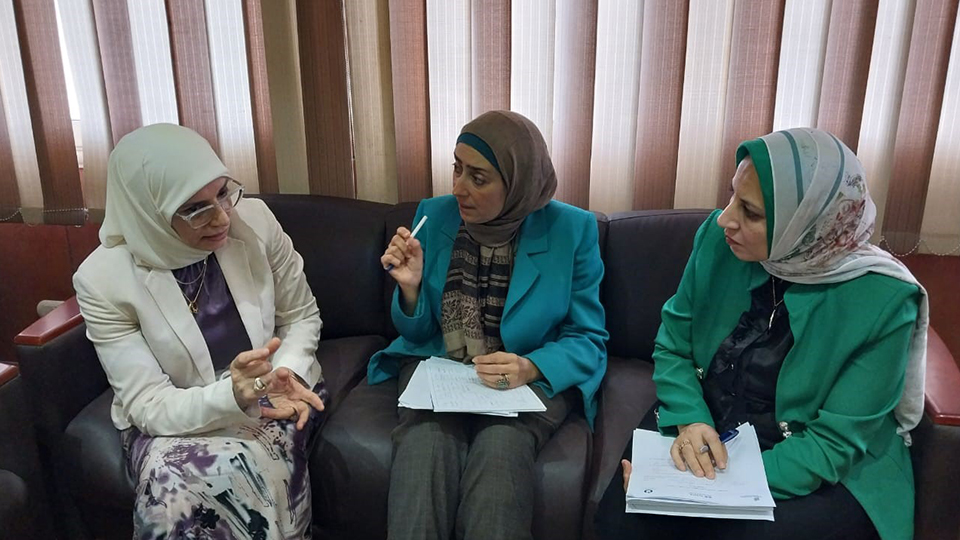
<point>502,277</point>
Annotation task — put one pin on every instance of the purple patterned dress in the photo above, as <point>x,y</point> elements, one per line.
<point>237,482</point>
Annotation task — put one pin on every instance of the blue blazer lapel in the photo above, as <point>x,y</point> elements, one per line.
<point>534,240</point>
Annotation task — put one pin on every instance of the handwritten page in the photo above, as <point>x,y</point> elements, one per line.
<point>417,393</point>
<point>455,387</point>
<point>740,491</point>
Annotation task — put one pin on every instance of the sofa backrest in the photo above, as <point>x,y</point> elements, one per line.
<point>646,252</point>
<point>341,241</point>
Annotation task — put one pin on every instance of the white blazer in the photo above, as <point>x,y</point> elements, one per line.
<point>151,347</point>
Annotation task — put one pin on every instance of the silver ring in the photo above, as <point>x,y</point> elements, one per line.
<point>503,382</point>
<point>258,385</point>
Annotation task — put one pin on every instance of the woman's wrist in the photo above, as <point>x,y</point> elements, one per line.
<point>409,295</point>
<point>529,371</point>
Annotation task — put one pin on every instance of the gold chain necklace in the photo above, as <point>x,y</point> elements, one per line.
<point>192,304</point>
<point>203,272</point>
<point>776,304</point>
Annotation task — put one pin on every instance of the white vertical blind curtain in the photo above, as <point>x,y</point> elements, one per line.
<point>532,62</point>
<point>13,91</point>
<point>368,37</point>
<point>941,226</point>
<point>449,50</point>
<point>619,31</point>
<point>881,106</point>
<point>151,53</point>
<point>83,54</point>
<point>709,31</point>
<point>805,24</point>
<point>576,68</point>
<point>228,65</point>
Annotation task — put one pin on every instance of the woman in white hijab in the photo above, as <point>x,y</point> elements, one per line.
<point>207,330</point>
<point>787,318</point>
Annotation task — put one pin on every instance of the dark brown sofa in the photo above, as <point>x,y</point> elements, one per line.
<point>24,512</point>
<point>341,241</point>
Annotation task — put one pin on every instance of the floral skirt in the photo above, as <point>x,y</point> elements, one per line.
<point>249,482</point>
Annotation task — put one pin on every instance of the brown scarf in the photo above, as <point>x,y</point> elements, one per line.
<point>481,263</point>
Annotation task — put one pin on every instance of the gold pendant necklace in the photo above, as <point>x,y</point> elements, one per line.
<point>192,304</point>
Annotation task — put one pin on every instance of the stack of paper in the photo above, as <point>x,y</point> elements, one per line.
<point>444,385</point>
<point>739,492</point>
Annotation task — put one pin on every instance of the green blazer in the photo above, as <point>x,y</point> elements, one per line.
<point>552,314</point>
<point>837,388</point>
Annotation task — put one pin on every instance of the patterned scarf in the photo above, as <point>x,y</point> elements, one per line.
<point>474,296</point>
<point>819,221</point>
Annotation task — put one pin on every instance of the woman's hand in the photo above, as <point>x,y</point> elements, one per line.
<point>406,256</point>
<point>290,398</point>
<point>685,450</point>
<point>246,368</point>
<point>517,369</point>
<point>627,469</point>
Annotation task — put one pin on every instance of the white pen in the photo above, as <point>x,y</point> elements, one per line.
<point>412,235</point>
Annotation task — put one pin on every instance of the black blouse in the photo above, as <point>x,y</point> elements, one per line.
<point>741,382</point>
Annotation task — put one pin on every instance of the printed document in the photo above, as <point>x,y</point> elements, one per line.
<point>739,492</point>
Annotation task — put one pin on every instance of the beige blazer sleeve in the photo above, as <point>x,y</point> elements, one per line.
<point>145,395</point>
<point>296,320</point>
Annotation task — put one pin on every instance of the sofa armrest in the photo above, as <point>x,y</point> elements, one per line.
<point>7,373</point>
<point>60,368</point>
<point>936,444</point>
<point>942,393</point>
<point>53,324</point>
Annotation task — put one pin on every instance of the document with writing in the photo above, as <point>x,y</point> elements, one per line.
<point>449,386</point>
<point>739,492</point>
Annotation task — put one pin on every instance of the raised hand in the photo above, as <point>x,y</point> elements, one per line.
<point>406,255</point>
<point>289,397</point>
<point>246,368</point>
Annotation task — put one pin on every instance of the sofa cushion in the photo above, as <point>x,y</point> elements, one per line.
<point>92,458</point>
<point>341,241</point>
<point>645,257</point>
<point>350,470</point>
<point>344,362</point>
<point>13,505</point>
<point>626,394</point>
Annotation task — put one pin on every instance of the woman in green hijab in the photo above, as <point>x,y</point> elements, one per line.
<point>507,280</point>
<point>788,318</point>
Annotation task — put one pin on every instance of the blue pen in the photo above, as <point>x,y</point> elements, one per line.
<point>725,437</point>
<point>412,235</point>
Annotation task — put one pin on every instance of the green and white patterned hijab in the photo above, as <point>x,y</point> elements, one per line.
<point>819,221</point>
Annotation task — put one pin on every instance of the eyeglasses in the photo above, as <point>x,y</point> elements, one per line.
<point>202,216</point>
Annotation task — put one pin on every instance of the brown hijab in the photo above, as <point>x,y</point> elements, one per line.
<point>520,155</point>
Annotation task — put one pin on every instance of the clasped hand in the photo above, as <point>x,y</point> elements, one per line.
<point>685,451</point>
<point>289,396</point>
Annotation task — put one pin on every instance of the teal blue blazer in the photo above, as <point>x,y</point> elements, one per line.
<point>552,315</point>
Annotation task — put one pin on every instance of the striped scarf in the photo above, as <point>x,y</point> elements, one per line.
<point>474,296</point>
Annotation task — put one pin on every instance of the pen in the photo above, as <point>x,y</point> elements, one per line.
<point>725,437</point>
<point>412,235</point>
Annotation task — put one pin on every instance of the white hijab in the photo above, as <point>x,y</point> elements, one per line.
<point>819,221</point>
<point>152,171</point>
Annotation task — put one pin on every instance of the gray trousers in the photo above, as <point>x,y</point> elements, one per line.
<point>465,475</point>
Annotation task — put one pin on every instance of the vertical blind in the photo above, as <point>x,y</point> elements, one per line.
<point>642,102</point>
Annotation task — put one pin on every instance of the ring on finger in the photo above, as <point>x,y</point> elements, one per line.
<point>258,385</point>
<point>503,382</point>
